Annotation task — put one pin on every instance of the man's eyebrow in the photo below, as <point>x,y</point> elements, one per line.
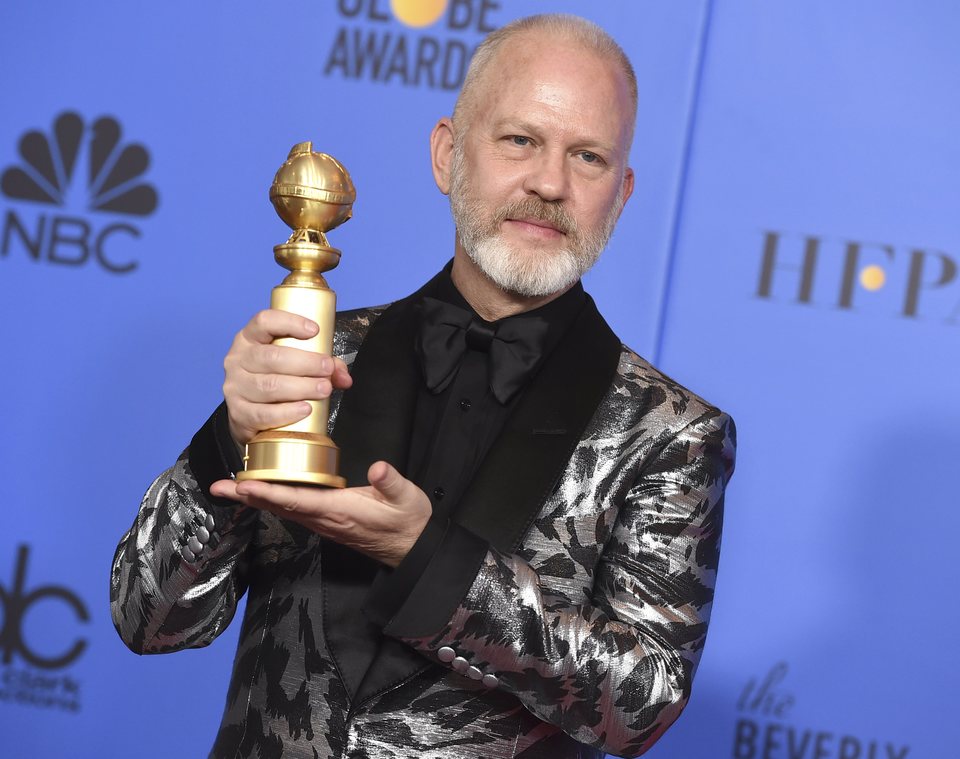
<point>515,124</point>
<point>511,124</point>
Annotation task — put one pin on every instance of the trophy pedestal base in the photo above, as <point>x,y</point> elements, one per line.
<point>296,458</point>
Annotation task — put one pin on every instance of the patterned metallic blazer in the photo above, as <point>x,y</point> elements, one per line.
<point>563,617</point>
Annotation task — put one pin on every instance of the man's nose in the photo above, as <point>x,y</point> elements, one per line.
<point>548,176</point>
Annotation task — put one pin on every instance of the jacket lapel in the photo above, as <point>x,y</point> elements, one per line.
<point>376,414</point>
<point>529,456</point>
<point>373,423</point>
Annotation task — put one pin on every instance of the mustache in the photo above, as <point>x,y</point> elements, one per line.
<point>534,208</point>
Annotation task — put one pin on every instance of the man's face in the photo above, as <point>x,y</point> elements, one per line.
<point>539,175</point>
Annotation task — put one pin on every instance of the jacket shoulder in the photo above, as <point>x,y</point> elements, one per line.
<point>641,381</point>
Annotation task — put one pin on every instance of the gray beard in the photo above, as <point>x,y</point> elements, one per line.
<point>532,272</point>
<point>528,273</point>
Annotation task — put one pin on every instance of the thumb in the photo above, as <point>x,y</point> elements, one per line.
<point>388,482</point>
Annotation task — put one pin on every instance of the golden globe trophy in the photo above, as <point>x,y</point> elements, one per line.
<point>313,193</point>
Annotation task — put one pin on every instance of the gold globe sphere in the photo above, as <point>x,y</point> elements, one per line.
<point>312,190</point>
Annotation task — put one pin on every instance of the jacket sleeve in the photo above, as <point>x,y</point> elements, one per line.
<point>613,671</point>
<point>181,568</point>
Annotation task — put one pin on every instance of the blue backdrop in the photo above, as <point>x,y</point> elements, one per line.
<point>797,170</point>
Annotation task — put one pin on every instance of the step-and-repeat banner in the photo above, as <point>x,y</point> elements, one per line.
<point>791,253</point>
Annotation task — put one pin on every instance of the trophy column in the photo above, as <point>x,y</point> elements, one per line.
<point>313,193</point>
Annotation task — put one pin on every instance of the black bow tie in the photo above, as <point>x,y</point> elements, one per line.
<point>515,346</point>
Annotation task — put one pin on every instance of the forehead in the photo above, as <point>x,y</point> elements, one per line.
<point>557,82</point>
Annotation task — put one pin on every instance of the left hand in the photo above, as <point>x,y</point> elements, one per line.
<point>382,520</point>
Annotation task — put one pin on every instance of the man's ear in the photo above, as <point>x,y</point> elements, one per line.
<point>441,153</point>
<point>626,189</point>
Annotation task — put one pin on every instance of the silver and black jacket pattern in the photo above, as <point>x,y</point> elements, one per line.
<point>583,641</point>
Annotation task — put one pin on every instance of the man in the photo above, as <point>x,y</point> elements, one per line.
<point>549,597</point>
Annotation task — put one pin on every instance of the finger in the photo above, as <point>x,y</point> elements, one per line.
<point>283,359</point>
<point>266,416</point>
<point>281,499</point>
<point>330,512</point>
<point>341,378</point>
<point>279,388</point>
<point>389,483</point>
<point>270,324</point>
<point>224,489</point>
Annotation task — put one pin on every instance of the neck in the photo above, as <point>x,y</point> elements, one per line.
<point>486,298</point>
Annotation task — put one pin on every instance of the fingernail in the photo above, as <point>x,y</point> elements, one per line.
<point>309,325</point>
<point>324,387</point>
<point>326,365</point>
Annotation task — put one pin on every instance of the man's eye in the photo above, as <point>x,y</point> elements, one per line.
<point>590,157</point>
<point>520,140</point>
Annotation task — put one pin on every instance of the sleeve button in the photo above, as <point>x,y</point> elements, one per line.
<point>473,673</point>
<point>446,654</point>
<point>194,545</point>
<point>490,681</point>
<point>460,664</point>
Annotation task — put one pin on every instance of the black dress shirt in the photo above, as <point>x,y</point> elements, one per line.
<point>452,432</point>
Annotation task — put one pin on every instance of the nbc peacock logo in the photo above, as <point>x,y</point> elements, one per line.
<point>77,167</point>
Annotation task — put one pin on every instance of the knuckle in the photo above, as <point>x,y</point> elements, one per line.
<point>338,518</point>
<point>272,354</point>
<point>261,319</point>
<point>267,384</point>
<point>231,363</point>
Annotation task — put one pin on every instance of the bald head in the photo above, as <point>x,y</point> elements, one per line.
<point>565,29</point>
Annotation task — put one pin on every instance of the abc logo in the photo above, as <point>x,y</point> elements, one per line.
<point>17,603</point>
